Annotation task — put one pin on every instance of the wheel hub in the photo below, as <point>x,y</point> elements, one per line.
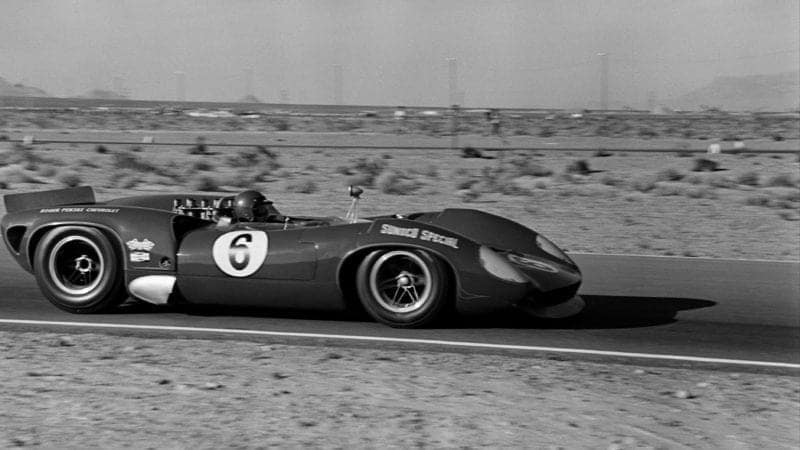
<point>75,265</point>
<point>84,264</point>
<point>403,280</point>
<point>400,281</point>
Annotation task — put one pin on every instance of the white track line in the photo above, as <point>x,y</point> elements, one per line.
<point>687,258</point>
<point>408,341</point>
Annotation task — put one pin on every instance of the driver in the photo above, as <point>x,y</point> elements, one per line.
<point>253,206</point>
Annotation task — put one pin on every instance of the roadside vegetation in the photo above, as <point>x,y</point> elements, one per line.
<point>602,195</point>
<point>726,127</point>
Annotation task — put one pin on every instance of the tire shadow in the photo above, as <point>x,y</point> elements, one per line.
<point>601,312</point>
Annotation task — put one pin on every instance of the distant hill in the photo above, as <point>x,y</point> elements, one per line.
<point>103,94</point>
<point>776,92</point>
<point>19,90</point>
<point>250,99</point>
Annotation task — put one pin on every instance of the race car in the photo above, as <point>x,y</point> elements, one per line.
<point>405,270</point>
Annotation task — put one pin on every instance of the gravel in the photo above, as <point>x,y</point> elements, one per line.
<point>114,391</point>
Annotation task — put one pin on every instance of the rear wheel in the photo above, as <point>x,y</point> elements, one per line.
<point>78,270</point>
<point>402,288</point>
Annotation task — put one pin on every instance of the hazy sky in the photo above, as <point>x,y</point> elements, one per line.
<point>524,53</point>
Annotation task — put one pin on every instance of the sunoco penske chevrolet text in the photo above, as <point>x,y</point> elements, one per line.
<point>406,270</point>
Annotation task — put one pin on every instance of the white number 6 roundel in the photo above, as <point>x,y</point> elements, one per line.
<point>240,253</point>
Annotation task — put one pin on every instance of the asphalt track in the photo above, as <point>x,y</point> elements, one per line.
<point>654,309</point>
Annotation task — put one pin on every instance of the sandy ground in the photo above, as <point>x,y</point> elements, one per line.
<point>97,391</point>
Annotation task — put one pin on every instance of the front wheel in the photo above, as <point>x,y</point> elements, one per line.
<point>78,270</point>
<point>402,288</point>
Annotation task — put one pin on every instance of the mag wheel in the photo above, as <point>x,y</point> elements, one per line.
<point>78,270</point>
<point>402,288</point>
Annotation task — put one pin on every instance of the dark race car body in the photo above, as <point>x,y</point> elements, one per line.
<point>406,270</point>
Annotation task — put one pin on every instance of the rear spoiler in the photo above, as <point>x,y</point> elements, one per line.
<point>35,200</point>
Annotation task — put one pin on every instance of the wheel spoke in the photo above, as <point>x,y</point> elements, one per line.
<point>418,280</point>
<point>401,281</point>
<point>386,284</point>
<point>404,293</point>
<point>412,291</point>
<point>73,276</point>
<point>395,297</point>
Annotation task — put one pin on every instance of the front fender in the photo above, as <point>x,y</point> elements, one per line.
<point>460,253</point>
<point>490,230</point>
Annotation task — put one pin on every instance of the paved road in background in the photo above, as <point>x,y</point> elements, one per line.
<point>378,141</point>
<point>730,309</point>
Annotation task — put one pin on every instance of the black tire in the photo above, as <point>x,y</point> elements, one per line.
<point>387,282</point>
<point>78,270</point>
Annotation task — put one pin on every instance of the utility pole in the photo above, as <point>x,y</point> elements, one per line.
<point>248,83</point>
<point>337,84</point>
<point>603,80</point>
<point>452,73</point>
<point>180,86</point>
<point>116,84</point>
<point>452,76</point>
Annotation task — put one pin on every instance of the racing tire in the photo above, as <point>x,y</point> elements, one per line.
<point>78,270</point>
<point>402,288</point>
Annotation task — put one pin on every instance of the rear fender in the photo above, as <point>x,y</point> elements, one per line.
<point>145,237</point>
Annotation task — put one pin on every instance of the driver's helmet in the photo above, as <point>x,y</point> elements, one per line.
<point>250,206</point>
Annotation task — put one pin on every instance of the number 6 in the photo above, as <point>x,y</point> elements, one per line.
<point>240,253</point>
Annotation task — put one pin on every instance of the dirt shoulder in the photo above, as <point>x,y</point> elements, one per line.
<point>94,390</point>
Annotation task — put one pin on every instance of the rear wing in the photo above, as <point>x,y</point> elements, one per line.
<point>34,200</point>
